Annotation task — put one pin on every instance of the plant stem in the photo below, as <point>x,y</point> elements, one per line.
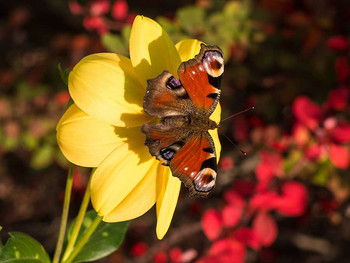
<point>84,204</point>
<point>85,238</point>
<point>64,217</point>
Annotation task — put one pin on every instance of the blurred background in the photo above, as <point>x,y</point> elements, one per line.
<point>287,200</point>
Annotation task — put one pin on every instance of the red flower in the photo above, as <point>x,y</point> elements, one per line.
<point>264,201</point>
<point>95,23</point>
<point>293,200</point>
<point>139,249</point>
<point>160,257</point>
<point>212,224</point>
<point>62,98</point>
<point>342,69</point>
<point>338,98</point>
<point>307,112</point>
<point>338,43</point>
<point>301,134</point>
<point>248,237</point>
<point>329,138</point>
<point>231,215</point>
<point>99,7</point>
<point>120,10</point>
<point>234,199</point>
<point>268,168</point>
<point>265,228</point>
<point>175,255</point>
<point>243,187</point>
<point>75,8</point>
<point>339,156</point>
<point>225,251</point>
<point>226,163</point>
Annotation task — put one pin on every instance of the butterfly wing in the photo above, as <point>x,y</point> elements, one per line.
<point>166,138</point>
<point>198,89</point>
<point>195,164</point>
<point>201,78</point>
<point>190,156</point>
<point>165,96</point>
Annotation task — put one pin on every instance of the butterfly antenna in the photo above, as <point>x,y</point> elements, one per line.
<point>233,115</point>
<point>235,144</point>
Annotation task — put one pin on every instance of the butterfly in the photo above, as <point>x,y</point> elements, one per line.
<point>181,139</point>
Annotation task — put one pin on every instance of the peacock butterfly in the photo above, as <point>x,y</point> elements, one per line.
<point>181,140</point>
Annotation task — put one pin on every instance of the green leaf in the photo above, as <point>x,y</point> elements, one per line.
<point>63,74</point>
<point>192,19</point>
<point>43,157</point>
<point>105,240</point>
<point>114,43</point>
<point>23,248</point>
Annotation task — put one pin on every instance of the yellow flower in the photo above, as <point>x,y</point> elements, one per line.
<point>103,127</point>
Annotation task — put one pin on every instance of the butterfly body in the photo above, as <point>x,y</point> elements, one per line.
<point>181,139</point>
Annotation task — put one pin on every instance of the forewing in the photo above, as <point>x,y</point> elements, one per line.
<point>165,96</point>
<point>201,77</point>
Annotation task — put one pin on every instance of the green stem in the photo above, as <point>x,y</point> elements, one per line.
<point>64,218</point>
<point>79,221</point>
<point>85,238</point>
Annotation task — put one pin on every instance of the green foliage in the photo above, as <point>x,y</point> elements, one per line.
<point>191,19</point>
<point>43,157</point>
<point>117,43</point>
<point>106,239</point>
<point>23,248</point>
<point>64,74</point>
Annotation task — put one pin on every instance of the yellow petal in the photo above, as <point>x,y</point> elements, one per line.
<point>105,87</point>
<point>139,200</point>
<point>151,50</point>
<point>84,140</point>
<point>118,175</point>
<point>214,134</point>
<point>188,48</point>
<point>168,189</point>
<point>216,116</point>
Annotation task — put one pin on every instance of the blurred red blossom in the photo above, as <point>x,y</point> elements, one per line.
<point>247,236</point>
<point>99,7</point>
<point>175,255</point>
<point>139,249</point>
<point>307,112</point>
<point>75,8</point>
<point>342,69</point>
<point>102,16</point>
<point>231,215</point>
<point>62,98</point>
<point>268,168</point>
<point>95,23</point>
<point>293,199</point>
<point>160,257</point>
<point>265,229</point>
<point>338,43</point>
<point>225,251</point>
<point>330,135</point>
<point>245,219</point>
<point>338,98</point>
<point>212,223</point>
<point>226,163</point>
<point>120,10</point>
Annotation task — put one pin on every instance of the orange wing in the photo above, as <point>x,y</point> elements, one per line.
<point>195,164</point>
<point>165,96</point>
<point>201,77</point>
